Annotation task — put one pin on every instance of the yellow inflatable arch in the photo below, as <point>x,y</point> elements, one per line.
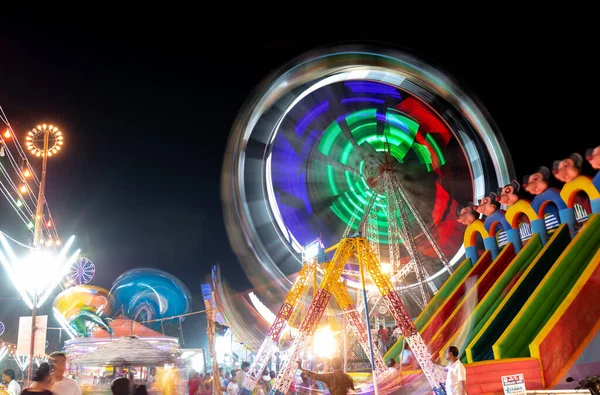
<point>471,232</point>
<point>513,213</point>
<point>581,183</point>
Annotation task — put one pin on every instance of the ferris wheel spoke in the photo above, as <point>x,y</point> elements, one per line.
<point>365,150</point>
<point>328,160</point>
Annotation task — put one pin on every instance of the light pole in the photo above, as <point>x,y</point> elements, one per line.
<point>45,141</point>
<point>39,143</point>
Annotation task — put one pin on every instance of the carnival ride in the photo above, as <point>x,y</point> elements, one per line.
<point>304,149</point>
<point>376,148</point>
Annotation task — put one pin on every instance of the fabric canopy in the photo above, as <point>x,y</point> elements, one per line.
<point>123,326</point>
<point>127,351</point>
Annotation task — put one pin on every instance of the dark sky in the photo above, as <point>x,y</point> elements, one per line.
<point>146,119</point>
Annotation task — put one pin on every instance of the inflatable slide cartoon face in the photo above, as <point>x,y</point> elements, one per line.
<point>537,182</point>
<point>468,215</point>
<point>567,169</point>
<point>488,205</point>
<point>509,195</point>
<point>593,157</point>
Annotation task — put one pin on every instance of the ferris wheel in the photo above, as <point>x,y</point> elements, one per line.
<point>304,152</point>
<point>2,328</point>
<point>82,271</point>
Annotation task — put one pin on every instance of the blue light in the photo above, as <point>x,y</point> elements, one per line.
<point>372,87</point>
<point>310,117</point>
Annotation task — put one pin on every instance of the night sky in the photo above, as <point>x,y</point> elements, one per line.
<point>146,119</point>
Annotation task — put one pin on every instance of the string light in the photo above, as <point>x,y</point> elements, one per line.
<point>24,191</point>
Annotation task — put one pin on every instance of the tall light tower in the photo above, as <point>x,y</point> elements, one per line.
<point>45,141</point>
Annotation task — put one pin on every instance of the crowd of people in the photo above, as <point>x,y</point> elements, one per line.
<point>49,379</point>
<point>386,337</point>
<point>230,382</point>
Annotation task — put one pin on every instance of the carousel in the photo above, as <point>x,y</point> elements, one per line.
<point>121,332</point>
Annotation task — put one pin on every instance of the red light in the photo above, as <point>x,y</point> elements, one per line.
<point>49,223</point>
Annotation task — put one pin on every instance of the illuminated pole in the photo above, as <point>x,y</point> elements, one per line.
<point>39,212</point>
<point>33,143</point>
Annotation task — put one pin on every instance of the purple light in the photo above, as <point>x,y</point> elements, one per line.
<point>372,87</point>
<point>363,99</point>
<point>310,117</point>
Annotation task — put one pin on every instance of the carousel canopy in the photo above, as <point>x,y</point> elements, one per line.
<point>123,326</point>
<point>127,351</point>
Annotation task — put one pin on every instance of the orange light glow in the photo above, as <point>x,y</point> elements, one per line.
<point>23,188</point>
<point>7,134</point>
<point>27,173</point>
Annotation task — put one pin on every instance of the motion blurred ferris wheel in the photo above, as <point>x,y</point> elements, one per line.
<point>81,272</point>
<point>351,136</point>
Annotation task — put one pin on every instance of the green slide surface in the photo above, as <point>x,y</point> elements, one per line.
<point>550,293</point>
<point>480,348</point>
<point>486,307</point>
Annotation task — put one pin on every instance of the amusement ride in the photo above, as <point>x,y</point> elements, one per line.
<point>373,151</point>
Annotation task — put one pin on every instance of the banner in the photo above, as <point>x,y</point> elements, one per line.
<point>24,339</point>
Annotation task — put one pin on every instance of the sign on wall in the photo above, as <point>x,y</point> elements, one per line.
<point>513,384</point>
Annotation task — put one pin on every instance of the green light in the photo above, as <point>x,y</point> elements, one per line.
<point>369,113</point>
<point>29,225</point>
<point>329,137</point>
<point>437,149</point>
<point>19,203</point>
<point>352,191</point>
<point>346,153</point>
<point>424,156</point>
<point>331,181</point>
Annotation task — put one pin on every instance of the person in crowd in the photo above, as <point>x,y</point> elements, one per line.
<point>233,388</point>
<point>273,378</point>
<point>241,375</point>
<point>42,382</point>
<point>391,364</point>
<point>12,387</point>
<point>121,386</point>
<point>194,383</point>
<point>151,377</point>
<point>383,335</point>
<point>62,385</point>
<point>222,381</point>
<point>456,374</point>
<point>260,388</point>
<point>338,382</point>
<point>140,389</point>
